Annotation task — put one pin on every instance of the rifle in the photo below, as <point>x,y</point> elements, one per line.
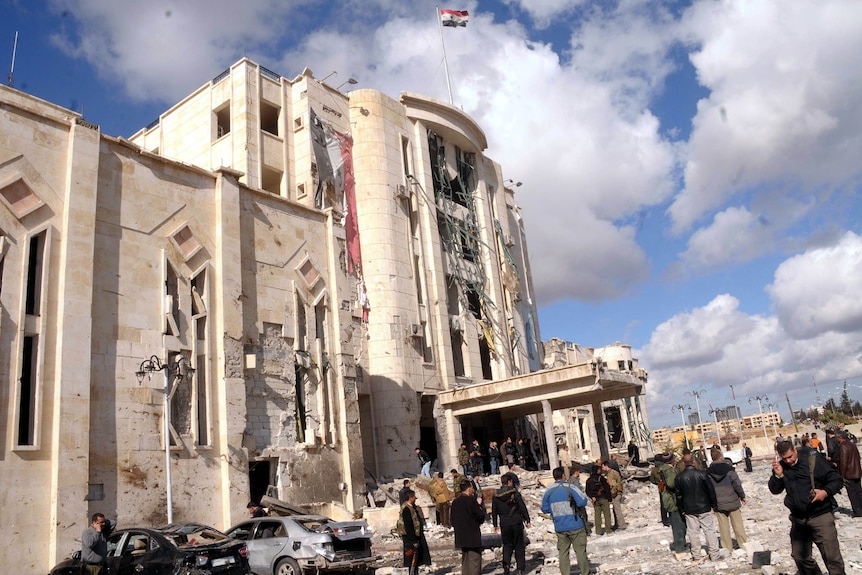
<point>662,484</point>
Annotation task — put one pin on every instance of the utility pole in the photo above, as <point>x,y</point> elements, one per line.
<point>792,415</point>
<point>682,407</point>
<point>759,399</point>
<point>697,395</point>
<point>738,415</point>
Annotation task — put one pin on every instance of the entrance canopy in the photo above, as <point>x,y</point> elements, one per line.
<point>563,387</point>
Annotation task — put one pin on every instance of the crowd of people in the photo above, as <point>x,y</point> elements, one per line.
<point>701,498</point>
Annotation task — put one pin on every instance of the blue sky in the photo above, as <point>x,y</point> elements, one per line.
<point>690,170</point>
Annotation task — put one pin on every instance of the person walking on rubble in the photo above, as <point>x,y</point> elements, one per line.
<point>850,470</point>
<point>599,492</point>
<point>616,484</point>
<point>416,552</point>
<point>747,453</point>
<point>467,518</point>
<point>664,475</point>
<point>729,497</point>
<point>509,509</point>
<point>697,501</point>
<point>634,453</point>
<point>562,501</point>
<point>442,497</point>
<point>510,452</point>
<point>809,482</point>
<point>424,462</point>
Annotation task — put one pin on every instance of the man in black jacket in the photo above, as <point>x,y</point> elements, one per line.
<point>696,496</point>
<point>599,492</point>
<point>808,497</point>
<point>467,516</point>
<point>508,506</point>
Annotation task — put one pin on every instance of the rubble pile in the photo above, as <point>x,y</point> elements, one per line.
<point>644,547</point>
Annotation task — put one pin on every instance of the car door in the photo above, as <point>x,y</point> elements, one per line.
<point>138,554</point>
<point>267,542</point>
<point>259,559</point>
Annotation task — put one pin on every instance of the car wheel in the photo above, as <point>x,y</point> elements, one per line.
<point>287,566</point>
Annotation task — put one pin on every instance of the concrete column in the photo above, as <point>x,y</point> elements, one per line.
<point>553,459</point>
<point>71,402</point>
<point>624,419</point>
<point>601,430</point>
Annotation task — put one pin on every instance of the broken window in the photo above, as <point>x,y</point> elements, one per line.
<point>473,301</point>
<point>222,120</point>
<point>28,377</point>
<point>458,353</point>
<point>269,115</point>
<point>200,383</point>
<point>485,356</point>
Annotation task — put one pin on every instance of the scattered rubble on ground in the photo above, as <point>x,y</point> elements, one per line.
<point>644,547</point>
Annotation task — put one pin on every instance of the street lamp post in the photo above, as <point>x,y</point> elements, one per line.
<point>759,399</point>
<point>681,408</point>
<point>738,415</point>
<point>181,368</point>
<point>714,413</point>
<point>773,407</point>
<point>697,395</point>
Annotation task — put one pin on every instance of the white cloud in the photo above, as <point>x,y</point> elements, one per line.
<point>815,334</point>
<point>782,113</point>
<point>819,291</point>
<point>162,49</point>
<point>735,235</point>
<point>543,11</point>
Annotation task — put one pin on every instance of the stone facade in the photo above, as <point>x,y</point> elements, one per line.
<point>218,238</point>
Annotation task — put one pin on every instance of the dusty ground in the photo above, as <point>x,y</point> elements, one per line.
<point>644,546</point>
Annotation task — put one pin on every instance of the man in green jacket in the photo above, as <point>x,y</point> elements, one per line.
<point>664,475</point>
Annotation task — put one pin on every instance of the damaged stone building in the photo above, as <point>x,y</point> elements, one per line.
<point>314,283</point>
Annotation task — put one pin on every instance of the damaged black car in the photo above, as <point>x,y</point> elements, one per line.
<point>176,549</point>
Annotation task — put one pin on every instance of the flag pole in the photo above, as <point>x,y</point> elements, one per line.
<point>14,51</point>
<point>445,63</point>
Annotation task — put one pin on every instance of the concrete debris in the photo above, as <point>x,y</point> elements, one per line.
<point>644,547</point>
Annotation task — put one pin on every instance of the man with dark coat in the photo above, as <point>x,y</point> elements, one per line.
<point>850,470</point>
<point>416,551</point>
<point>729,497</point>
<point>599,492</point>
<point>424,462</point>
<point>402,493</point>
<point>494,457</point>
<point>831,446</point>
<point>634,453</point>
<point>476,459</point>
<point>508,507</point>
<point>697,501</point>
<point>811,519</point>
<point>746,453</point>
<point>467,517</point>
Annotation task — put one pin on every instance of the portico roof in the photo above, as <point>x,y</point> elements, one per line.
<point>564,387</point>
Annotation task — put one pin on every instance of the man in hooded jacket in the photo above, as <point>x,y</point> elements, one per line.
<point>729,497</point>
<point>509,509</point>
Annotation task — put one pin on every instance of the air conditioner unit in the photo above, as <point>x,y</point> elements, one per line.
<point>415,330</point>
<point>401,192</point>
<point>509,240</point>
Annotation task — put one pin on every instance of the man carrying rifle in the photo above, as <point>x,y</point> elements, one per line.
<point>664,475</point>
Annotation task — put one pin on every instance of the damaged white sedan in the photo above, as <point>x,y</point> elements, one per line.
<point>305,543</point>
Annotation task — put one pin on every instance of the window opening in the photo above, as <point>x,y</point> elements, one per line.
<point>27,396</point>
<point>485,356</point>
<point>458,353</point>
<point>35,261</point>
<point>271,180</point>
<point>200,382</point>
<point>269,115</point>
<point>222,117</point>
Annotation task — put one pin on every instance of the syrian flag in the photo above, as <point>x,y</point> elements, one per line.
<point>454,18</point>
